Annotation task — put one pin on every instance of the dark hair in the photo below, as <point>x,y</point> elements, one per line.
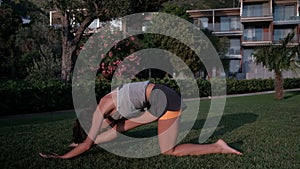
<point>79,135</point>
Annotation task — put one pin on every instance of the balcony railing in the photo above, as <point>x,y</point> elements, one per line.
<point>278,17</point>
<point>257,37</point>
<point>228,26</point>
<point>280,38</point>
<point>224,27</point>
<point>256,12</point>
<point>234,51</point>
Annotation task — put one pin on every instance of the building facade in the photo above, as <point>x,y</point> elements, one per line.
<point>252,24</point>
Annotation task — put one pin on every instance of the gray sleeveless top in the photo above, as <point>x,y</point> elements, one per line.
<point>131,100</point>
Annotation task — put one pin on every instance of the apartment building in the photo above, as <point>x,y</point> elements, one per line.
<point>252,24</point>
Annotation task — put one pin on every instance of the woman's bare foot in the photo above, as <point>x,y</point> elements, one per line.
<point>225,149</point>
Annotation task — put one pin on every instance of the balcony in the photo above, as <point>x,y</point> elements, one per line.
<point>234,53</point>
<point>256,13</point>
<point>257,39</point>
<point>278,40</point>
<point>228,29</point>
<point>224,29</point>
<point>279,37</point>
<point>285,15</point>
<point>255,0</point>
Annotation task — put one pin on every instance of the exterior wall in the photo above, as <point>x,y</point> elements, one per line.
<point>261,22</point>
<point>224,23</point>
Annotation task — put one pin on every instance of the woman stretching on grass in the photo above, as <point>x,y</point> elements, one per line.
<point>163,105</point>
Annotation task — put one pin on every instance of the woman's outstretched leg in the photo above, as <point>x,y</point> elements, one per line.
<point>167,135</point>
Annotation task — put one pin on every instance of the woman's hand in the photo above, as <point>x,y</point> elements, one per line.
<point>51,155</point>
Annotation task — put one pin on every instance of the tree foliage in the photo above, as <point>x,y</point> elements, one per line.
<point>44,68</point>
<point>11,22</point>
<point>171,44</point>
<point>278,58</point>
<point>178,48</point>
<point>22,42</point>
<point>76,15</point>
<point>221,44</point>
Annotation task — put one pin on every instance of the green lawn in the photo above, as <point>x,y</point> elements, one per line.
<point>265,130</point>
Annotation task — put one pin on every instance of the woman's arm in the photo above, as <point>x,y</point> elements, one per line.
<point>81,148</point>
<point>106,126</point>
<point>86,145</point>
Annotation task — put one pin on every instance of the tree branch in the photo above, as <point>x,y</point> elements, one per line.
<point>80,31</point>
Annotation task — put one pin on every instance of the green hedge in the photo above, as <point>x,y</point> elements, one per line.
<point>249,86</point>
<point>19,97</point>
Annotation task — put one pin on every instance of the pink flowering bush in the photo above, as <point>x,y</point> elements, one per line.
<point>112,61</point>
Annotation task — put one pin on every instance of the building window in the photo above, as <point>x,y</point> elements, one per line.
<point>253,10</point>
<point>235,23</point>
<point>234,67</point>
<point>230,23</point>
<point>253,34</point>
<point>282,13</point>
<point>95,24</point>
<point>235,46</point>
<point>203,23</point>
<point>225,23</point>
<point>146,25</point>
<point>280,34</point>
<point>248,55</point>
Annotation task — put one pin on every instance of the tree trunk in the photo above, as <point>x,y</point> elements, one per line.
<point>67,54</point>
<point>12,63</point>
<point>278,85</point>
<point>67,48</point>
<point>70,43</point>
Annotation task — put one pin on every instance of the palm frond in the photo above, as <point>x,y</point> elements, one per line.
<point>277,57</point>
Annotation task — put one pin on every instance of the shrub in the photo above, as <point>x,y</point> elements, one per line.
<point>257,85</point>
<point>204,87</point>
<point>46,67</point>
<point>291,83</point>
<point>19,97</point>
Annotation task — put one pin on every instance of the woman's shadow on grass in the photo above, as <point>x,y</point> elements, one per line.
<point>227,124</point>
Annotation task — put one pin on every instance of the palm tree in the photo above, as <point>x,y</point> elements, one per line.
<point>278,58</point>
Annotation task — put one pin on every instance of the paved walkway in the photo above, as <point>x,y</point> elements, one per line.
<point>259,93</point>
<point>245,94</point>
